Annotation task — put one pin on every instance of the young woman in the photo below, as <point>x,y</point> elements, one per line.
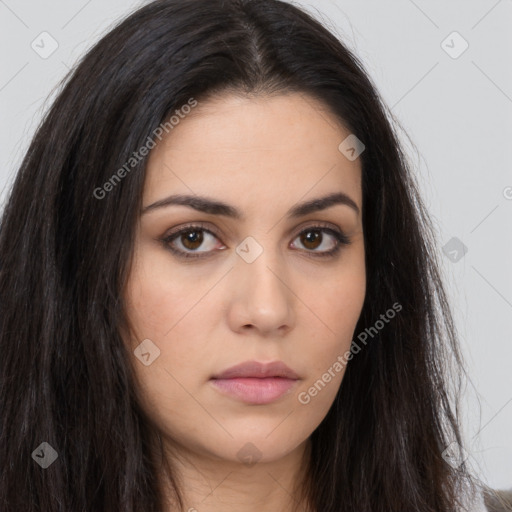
<point>219,284</point>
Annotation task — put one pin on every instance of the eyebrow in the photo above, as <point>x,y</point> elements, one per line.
<point>214,207</point>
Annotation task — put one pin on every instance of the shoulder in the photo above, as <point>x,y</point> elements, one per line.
<point>497,501</point>
<point>489,500</point>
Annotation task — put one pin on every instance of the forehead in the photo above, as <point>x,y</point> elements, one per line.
<point>266,147</point>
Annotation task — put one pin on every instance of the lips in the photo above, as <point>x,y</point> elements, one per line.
<point>255,369</point>
<point>256,383</point>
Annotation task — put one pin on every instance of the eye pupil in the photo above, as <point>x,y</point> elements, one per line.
<point>192,237</point>
<point>311,237</point>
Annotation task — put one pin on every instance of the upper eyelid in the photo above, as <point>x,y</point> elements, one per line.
<point>189,227</point>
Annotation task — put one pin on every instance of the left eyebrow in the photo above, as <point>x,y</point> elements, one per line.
<point>215,207</point>
<point>322,203</point>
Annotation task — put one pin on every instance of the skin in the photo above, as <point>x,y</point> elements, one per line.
<point>261,155</point>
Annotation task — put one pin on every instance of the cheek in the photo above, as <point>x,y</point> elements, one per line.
<point>165,311</point>
<point>336,298</point>
<point>164,316</point>
<point>160,308</point>
<point>160,297</point>
<point>336,305</point>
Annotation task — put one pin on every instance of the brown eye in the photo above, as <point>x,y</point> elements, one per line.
<point>192,239</point>
<point>191,242</point>
<point>313,239</point>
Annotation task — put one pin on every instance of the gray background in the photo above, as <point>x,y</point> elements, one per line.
<point>457,111</point>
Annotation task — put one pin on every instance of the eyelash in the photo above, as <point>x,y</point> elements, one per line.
<point>341,238</point>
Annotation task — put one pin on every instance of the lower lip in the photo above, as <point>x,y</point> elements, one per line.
<point>254,390</point>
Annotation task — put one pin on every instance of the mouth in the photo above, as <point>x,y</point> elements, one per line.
<point>256,383</point>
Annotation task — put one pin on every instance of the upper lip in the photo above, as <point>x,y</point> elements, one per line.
<point>257,370</point>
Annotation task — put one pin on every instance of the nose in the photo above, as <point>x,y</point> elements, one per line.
<point>261,296</point>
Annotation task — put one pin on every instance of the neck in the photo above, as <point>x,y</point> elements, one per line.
<point>210,484</point>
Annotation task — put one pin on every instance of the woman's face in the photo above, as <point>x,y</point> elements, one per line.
<point>260,286</point>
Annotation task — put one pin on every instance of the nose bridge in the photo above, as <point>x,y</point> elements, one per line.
<point>264,296</point>
<point>260,265</point>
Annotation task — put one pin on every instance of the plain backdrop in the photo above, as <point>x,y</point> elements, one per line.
<point>444,68</point>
